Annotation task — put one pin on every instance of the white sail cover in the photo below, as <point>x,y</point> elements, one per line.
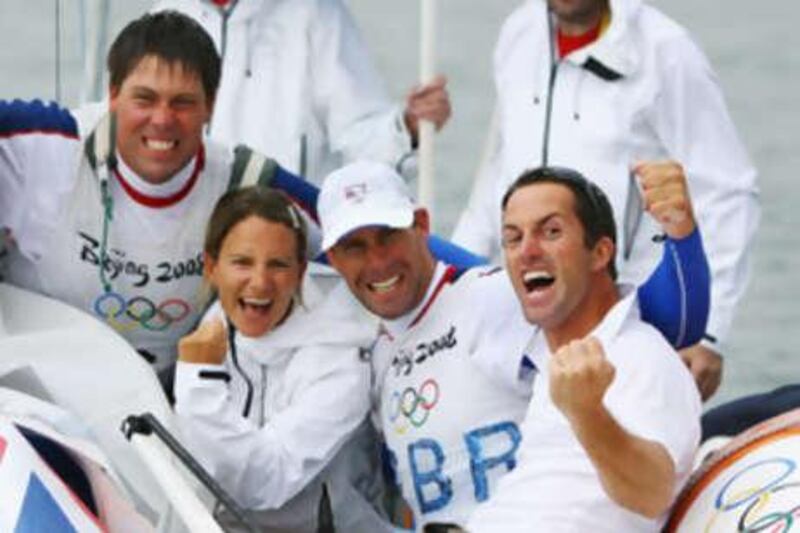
<point>61,355</point>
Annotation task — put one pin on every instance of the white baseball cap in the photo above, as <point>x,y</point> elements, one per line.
<point>359,195</point>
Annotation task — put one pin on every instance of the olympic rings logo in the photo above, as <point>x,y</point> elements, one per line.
<point>756,498</point>
<point>140,311</point>
<point>413,406</point>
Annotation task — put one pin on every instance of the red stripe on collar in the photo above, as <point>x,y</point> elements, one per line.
<point>158,202</point>
<point>447,277</point>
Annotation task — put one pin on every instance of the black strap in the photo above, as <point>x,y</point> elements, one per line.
<point>325,512</point>
<point>215,374</point>
<point>600,70</point>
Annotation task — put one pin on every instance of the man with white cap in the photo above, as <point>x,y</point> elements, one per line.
<point>451,429</point>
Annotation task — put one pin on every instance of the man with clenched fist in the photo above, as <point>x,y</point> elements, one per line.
<point>613,422</point>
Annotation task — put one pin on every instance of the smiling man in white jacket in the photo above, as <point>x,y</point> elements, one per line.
<point>298,85</point>
<point>597,85</point>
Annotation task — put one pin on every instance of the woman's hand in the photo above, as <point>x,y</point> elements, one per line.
<point>208,344</point>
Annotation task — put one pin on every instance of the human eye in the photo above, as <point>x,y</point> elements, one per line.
<point>552,230</point>
<point>388,235</point>
<point>241,261</point>
<point>143,97</point>
<point>279,264</point>
<point>511,237</point>
<point>184,102</point>
<point>352,248</point>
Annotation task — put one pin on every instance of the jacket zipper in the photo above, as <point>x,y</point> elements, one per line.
<point>262,414</point>
<point>248,383</point>
<point>224,14</point>
<point>551,85</point>
<point>548,112</point>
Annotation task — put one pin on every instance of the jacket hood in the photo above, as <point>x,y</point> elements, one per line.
<point>318,322</point>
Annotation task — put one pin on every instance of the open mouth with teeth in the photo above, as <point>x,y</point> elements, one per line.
<point>537,280</point>
<point>255,306</point>
<point>385,285</point>
<point>159,145</point>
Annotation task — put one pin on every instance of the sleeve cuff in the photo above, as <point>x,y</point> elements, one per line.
<point>190,378</point>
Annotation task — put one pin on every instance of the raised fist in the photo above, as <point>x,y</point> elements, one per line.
<point>208,344</point>
<point>580,374</point>
<point>666,196</point>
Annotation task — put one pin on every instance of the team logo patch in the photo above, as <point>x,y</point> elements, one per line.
<point>140,312</point>
<point>413,406</point>
<point>355,193</point>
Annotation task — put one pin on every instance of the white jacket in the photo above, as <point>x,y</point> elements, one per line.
<point>643,90</point>
<point>310,395</point>
<point>298,84</point>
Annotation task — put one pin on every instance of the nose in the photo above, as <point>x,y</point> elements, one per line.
<point>531,247</point>
<point>162,116</point>
<point>261,279</point>
<point>377,257</point>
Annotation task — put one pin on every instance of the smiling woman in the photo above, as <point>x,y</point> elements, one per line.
<point>255,258</point>
<point>270,389</point>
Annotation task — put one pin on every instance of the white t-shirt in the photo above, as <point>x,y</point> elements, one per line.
<point>451,430</point>
<point>50,202</point>
<point>555,486</point>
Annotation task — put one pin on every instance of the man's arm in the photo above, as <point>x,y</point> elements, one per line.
<point>34,139</point>
<point>361,122</point>
<point>636,473</point>
<point>693,122</point>
<point>675,298</point>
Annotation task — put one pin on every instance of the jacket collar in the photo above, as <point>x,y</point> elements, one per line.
<point>606,331</point>
<point>614,54</point>
<point>239,9</point>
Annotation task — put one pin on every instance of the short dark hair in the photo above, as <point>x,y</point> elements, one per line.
<point>591,204</point>
<point>239,204</point>
<point>171,37</point>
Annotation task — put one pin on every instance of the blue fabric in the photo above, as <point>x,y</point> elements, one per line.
<point>40,511</point>
<point>302,192</point>
<point>35,116</point>
<point>677,295</point>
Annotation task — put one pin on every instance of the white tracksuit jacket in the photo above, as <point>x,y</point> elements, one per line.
<point>304,424</point>
<point>298,84</point>
<point>642,91</point>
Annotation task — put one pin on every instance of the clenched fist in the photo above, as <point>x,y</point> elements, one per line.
<point>580,374</point>
<point>666,196</point>
<point>208,344</point>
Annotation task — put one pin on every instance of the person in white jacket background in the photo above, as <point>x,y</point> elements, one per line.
<point>298,85</point>
<point>271,391</point>
<point>598,85</point>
